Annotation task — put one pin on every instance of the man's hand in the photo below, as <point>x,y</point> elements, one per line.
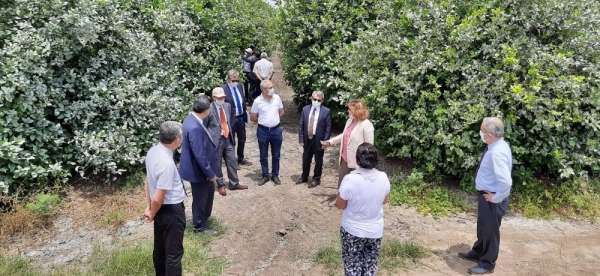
<point>488,196</point>
<point>222,191</point>
<point>148,215</point>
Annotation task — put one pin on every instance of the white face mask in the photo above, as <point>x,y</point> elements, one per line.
<point>271,92</point>
<point>316,103</point>
<point>220,102</point>
<point>482,135</point>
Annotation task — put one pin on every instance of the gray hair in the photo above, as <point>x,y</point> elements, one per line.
<point>232,73</point>
<point>494,125</point>
<point>318,93</point>
<point>169,131</point>
<point>262,84</point>
<point>264,55</point>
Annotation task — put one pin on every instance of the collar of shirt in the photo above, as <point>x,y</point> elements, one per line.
<point>164,148</point>
<point>495,144</point>
<point>318,109</point>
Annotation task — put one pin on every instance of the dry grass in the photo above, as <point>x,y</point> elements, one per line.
<point>19,221</point>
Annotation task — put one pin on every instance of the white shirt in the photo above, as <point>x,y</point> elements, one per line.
<point>318,109</point>
<point>365,190</point>
<point>494,173</point>
<point>162,174</point>
<point>268,111</point>
<point>263,68</point>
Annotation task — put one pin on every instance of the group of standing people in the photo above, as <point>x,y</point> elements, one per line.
<point>215,131</point>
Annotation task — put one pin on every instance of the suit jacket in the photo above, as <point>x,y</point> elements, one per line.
<point>198,152</point>
<point>229,98</point>
<point>215,129</point>
<point>362,132</point>
<point>323,131</point>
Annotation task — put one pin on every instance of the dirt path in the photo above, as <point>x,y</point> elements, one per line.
<point>276,230</point>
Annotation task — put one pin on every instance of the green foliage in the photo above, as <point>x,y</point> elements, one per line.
<point>431,70</point>
<point>428,198</point>
<point>133,260</point>
<point>576,198</point>
<point>44,204</point>
<point>85,84</point>
<point>15,266</point>
<point>330,257</point>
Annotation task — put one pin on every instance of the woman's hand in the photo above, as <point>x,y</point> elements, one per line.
<point>325,144</point>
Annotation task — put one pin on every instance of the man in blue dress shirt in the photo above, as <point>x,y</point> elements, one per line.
<point>493,182</point>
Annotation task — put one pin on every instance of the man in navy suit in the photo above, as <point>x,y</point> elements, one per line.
<point>235,96</point>
<point>198,159</point>
<point>315,126</point>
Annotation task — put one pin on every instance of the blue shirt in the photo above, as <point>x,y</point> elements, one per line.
<point>494,173</point>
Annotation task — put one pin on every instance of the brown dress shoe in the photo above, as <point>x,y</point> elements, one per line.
<point>238,187</point>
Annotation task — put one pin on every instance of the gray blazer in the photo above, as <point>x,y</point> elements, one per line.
<point>215,127</point>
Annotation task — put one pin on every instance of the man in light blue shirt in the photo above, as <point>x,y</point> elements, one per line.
<point>493,182</point>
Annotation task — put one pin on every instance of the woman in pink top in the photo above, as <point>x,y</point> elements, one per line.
<point>358,130</point>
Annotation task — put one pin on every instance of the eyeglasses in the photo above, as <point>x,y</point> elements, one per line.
<point>318,100</point>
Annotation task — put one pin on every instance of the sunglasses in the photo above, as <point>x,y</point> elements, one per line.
<point>318,100</point>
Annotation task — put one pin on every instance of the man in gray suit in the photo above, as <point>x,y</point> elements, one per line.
<point>222,132</point>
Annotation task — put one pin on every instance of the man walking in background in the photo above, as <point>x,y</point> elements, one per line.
<point>198,159</point>
<point>221,111</point>
<point>165,195</point>
<point>314,127</point>
<point>248,60</point>
<point>263,70</point>
<point>235,96</point>
<point>493,182</point>
<point>267,110</point>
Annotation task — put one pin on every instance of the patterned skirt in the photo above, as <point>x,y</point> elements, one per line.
<point>359,254</point>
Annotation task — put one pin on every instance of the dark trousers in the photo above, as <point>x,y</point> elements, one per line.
<point>225,152</point>
<point>343,171</point>
<point>169,226</point>
<point>249,83</point>
<point>489,218</point>
<point>312,147</point>
<point>273,137</point>
<point>239,129</point>
<point>203,194</point>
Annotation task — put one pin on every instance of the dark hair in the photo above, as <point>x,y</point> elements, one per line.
<point>366,156</point>
<point>201,104</point>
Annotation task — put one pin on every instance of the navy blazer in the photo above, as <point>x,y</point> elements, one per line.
<point>323,131</point>
<point>229,99</point>
<point>198,152</point>
<point>215,129</point>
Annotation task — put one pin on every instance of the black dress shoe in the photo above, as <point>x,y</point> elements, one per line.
<point>301,180</point>
<point>264,180</point>
<point>244,162</point>
<point>276,180</point>
<point>478,270</point>
<point>238,187</point>
<point>314,183</point>
<point>469,256</point>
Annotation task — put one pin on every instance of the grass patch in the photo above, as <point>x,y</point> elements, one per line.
<point>15,266</point>
<point>539,198</point>
<point>28,216</point>
<point>394,255</point>
<point>428,198</point>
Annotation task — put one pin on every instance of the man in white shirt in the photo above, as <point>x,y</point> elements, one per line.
<point>165,195</point>
<point>267,110</point>
<point>263,70</point>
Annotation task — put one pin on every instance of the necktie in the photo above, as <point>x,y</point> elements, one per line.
<point>311,124</point>
<point>223,122</point>
<point>238,104</point>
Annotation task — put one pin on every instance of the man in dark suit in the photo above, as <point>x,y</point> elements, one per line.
<point>235,96</point>
<point>221,111</point>
<point>315,126</point>
<point>198,159</point>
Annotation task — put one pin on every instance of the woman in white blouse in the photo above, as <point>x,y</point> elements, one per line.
<point>358,130</point>
<point>362,194</point>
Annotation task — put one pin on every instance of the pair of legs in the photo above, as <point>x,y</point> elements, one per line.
<point>312,148</point>
<point>239,132</point>
<point>269,137</point>
<point>489,219</point>
<point>203,194</point>
<point>169,226</point>
<point>359,254</point>
<point>343,171</point>
<point>225,152</point>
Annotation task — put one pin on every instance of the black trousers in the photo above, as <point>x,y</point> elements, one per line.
<point>239,130</point>
<point>312,147</point>
<point>489,218</point>
<point>169,226</point>
<point>203,194</point>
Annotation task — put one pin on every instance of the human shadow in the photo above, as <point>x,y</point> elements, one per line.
<point>454,262</point>
<point>327,197</point>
